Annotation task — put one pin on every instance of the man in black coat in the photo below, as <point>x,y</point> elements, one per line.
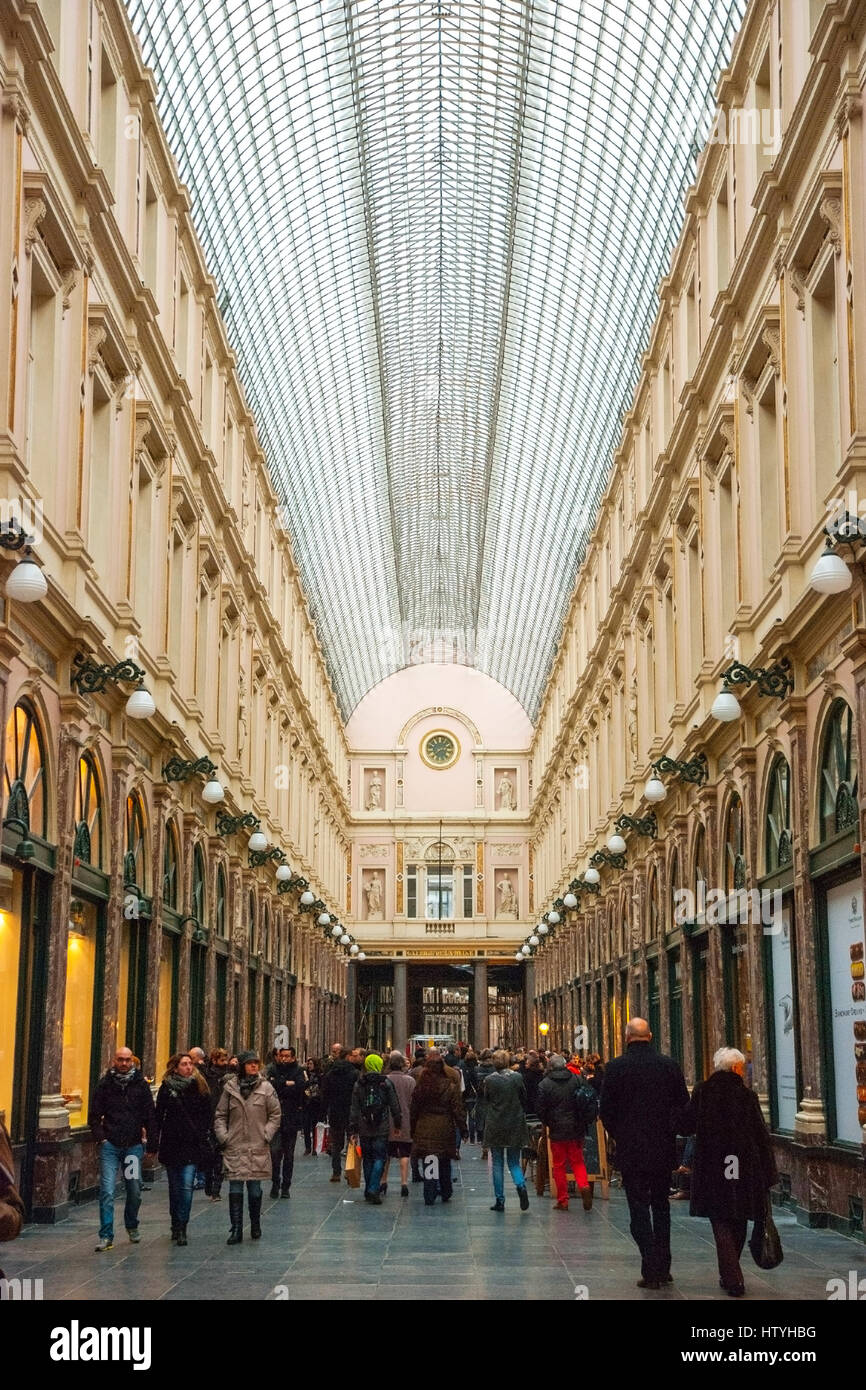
<point>121,1115</point>
<point>288,1079</point>
<point>338,1084</point>
<point>643,1099</point>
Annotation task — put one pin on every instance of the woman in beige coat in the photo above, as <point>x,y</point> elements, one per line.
<point>246,1119</point>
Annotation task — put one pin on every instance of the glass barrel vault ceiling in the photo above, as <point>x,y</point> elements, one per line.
<point>437,230</point>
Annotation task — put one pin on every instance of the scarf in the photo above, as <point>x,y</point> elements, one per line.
<point>248,1084</point>
<point>122,1078</point>
<point>178,1084</point>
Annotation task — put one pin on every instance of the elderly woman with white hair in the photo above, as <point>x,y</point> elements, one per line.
<point>733,1167</point>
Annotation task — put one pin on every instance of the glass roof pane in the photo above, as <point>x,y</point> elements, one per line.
<point>437,229</point>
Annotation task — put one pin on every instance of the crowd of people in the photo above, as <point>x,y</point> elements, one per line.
<point>219,1118</point>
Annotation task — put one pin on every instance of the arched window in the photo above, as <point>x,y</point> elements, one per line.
<point>674,887</point>
<point>699,876</point>
<point>266,932</point>
<point>735,859</point>
<point>221,905</point>
<point>838,775</point>
<point>653,926</point>
<point>198,893</point>
<point>251,903</point>
<point>134,858</point>
<point>25,773</point>
<point>88,813</point>
<point>170,861</point>
<point>777,827</point>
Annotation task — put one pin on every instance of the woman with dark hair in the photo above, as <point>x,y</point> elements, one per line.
<point>437,1115</point>
<point>183,1116</point>
<point>313,1109</point>
<point>215,1071</point>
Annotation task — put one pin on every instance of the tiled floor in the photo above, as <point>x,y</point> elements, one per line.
<point>328,1242</point>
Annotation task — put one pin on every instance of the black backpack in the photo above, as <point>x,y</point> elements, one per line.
<point>373,1102</point>
<point>586,1105</point>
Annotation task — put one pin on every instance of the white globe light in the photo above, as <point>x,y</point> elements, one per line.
<point>553,917</point>
<point>324,919</point>
<point>354,950</point>
<point>345,939</point>
<point>533,940</point>
<point>284,873</point>
<point>725,707</point>
<point>362,955</point>
<point>524,950</point>
<point>655,790</point>
<point>212,792</point>
<point>258,842</point>
<point>140,704</point>
<point>616,844</point>
<point>26,583</point>
<point>592,875</point>
<point>336,929</point>
<point>543,929</point>
<point>830,576</point>
<point>519,956</point>
<point>307,898</point>
<point>570,901</point>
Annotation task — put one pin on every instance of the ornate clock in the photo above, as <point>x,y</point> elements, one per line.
<point>440,749</point>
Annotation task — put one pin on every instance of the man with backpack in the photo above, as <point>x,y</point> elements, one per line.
<point>567,1107</point>
<point>375,1107</point>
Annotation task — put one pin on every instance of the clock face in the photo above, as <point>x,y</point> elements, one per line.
<point>440,749</point>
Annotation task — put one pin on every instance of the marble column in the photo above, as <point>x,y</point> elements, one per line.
<point>400,1030</point>
<point>351,1002</point>
<point>480,1018</point>
<point>528,1004</point>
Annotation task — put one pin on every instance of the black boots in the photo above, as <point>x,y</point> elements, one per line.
<point>181,1235</point>
<point>175,1231</point>
<point>523,1198</point>
<point>498,1205</point>
<point>275,1189</point>
<point>236,1217</point>
<point>255,1205</point>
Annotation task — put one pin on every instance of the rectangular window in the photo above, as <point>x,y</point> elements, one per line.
<point>78,1011</point>
<point>167,1000</point>
<point>10,957</point>
<point>468,891</point>
<point>412,890</point>
<point>824,375</point>
<point>440,894</point>
<point>846,949</point>
<point>783,1022</point>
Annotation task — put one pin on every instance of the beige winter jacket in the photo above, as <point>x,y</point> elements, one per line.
<point>245,1128</point>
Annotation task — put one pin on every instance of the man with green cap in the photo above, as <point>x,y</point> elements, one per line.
<point>374,1108</point>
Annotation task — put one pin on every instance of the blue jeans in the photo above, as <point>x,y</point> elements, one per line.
<point>129,1160</point>
<point>500,1158</point>
<point>373,1155</point>
<point>236,1188</point>
<point>181,1179</point>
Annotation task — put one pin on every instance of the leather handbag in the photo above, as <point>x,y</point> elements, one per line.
<point>764,1242</point>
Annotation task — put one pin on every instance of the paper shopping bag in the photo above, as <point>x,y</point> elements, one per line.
<point>353,1166</point>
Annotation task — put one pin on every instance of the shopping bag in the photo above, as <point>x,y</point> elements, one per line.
<point>764,1242</point>
<point>322,1138</point>
<point>353,1165</point>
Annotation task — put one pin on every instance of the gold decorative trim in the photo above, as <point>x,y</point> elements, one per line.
<point>439,733</point>
<point>398,906</point>
<point>479,878</point>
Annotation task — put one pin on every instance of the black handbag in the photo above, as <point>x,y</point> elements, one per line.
<point>764,1242</point>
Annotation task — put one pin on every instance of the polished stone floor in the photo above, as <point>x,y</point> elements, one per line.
<point>327,1242</point>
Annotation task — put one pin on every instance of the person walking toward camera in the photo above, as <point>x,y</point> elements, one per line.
<point>179,1135</point>
<point>505,1129</point>
<point>121,1115</point>
<point>338,1085</point>
<point>733,1167</point>
<point>246,1120</point>
<point>643,1098</point>
<point>289,1081</point>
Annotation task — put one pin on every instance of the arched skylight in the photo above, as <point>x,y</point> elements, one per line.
<point>437,229</point>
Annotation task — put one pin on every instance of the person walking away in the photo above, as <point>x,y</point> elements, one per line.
<point>246,1120</point>
<point>216,1069</point>
<point>468,1065</point>
<point>436,1116</point>
<point>733,1167</point>
<point>313,1104</point>
<point>120,1115</point>
<point>533,1075</point>
<point>566,1108</point>
<point>400,1148</point>
<point>11,1205</point>
<point>179,1135</point>
<point>374,1114</point>
<point>485,1069</point>
<point>505,1128</point>
<point>289,1081</point>
<point>338,1085</point>
<point>643,1098</point>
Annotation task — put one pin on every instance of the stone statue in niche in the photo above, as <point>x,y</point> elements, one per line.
<point>505,792</point>
<point>374,793</point>
<point>632,725</point>
<point>507,898</point>
<point>242,715</point>
<point>373,893</point>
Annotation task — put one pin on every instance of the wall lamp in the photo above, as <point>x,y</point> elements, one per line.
<point>614,857</point>
<point>200,934</point>
<point>258,857</point>
<point>587,882</point>
<point>290,884</point>
<point>88,678</point>
<point>26,583</point>
<point>228,825</point>
<point>641,825</point>
<point>182,770</point>
<point>694,770</point>
<point>774,681</point>
<point>831,574</point>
